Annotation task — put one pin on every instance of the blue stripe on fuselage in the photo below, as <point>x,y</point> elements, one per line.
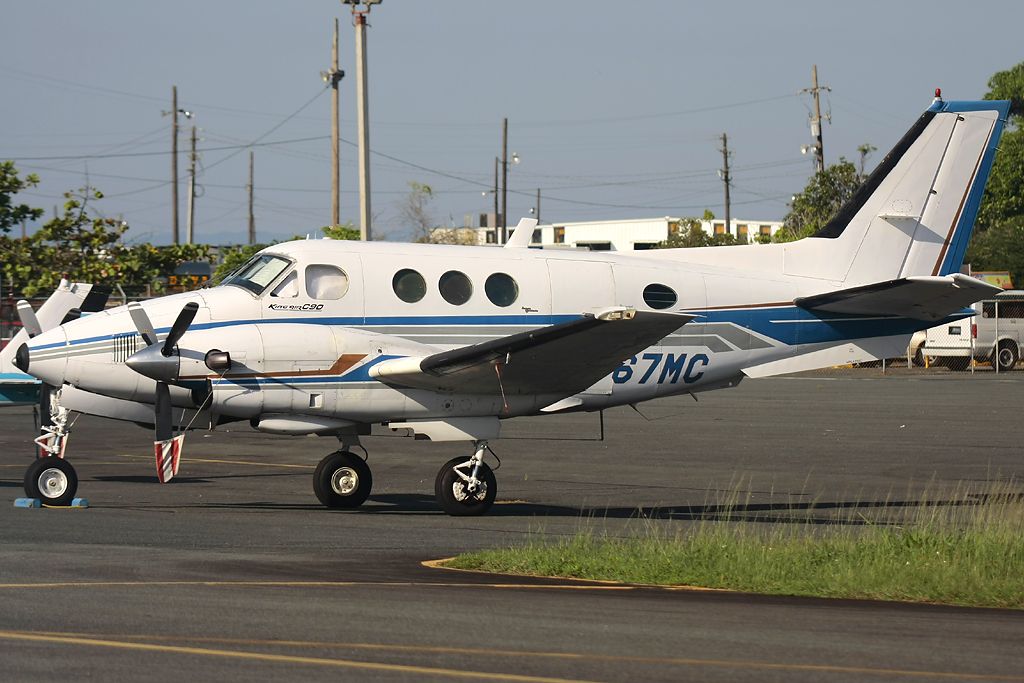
<point>785,324</point>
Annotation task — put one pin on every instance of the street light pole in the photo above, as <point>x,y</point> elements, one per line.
<point>362,109</point>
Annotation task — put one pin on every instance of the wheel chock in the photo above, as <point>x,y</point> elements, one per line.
<point>37,503</point>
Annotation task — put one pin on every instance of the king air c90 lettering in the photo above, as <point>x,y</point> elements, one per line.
<point>444,341</point>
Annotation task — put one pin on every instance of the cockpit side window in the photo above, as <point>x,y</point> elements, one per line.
<point>289,287</point>
<point>259,273</point>
<point>325,282</point>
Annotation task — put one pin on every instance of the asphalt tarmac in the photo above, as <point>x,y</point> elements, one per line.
<point>234,572</point>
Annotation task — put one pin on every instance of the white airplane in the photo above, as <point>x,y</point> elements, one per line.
<point>329,337</point>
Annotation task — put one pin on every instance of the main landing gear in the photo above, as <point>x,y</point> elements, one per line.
<point>464,487</point>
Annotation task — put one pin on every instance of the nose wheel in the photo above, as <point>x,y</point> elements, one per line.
<point>52,480</point>
<point>342,480</point>
<point>466,487</point>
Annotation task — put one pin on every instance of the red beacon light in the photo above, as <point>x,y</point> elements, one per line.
<point>938,94</point>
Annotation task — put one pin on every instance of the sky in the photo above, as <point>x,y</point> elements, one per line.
<point>615,109</point>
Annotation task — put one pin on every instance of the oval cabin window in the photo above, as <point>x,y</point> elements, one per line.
<point>501,289</point>
<point>455,287</point>
<point>325,282</point>
<point>660,296</point>
<point>409,285</point>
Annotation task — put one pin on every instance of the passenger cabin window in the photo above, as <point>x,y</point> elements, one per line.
<point>501,289</point>
<point>409,285</point>
<point>455,287</point>
<point>659,296</point>
<point>289,287</point>
<point>258,274</point>
<point>325,282</point>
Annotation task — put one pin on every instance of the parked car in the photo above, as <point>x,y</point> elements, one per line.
<point>994,335</point>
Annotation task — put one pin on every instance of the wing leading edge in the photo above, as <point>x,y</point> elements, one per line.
<point>561,359</point>
<point>920,298</point>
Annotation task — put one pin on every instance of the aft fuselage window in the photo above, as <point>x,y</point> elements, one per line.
<point>409,285</point>
<point>455,287</point>
<point>325,282</point>
<point>660,296</point>
<point>501,289</point>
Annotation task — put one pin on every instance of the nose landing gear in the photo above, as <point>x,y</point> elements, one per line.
<point>466,488</point>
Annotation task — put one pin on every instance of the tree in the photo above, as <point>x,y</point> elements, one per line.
<point>1004,194</point>
<point>12,214</point>
<point>815,206</point>
<point>999,248</point>
<point>415,210</point>
<point>345,231</point>
<point>691,234</point>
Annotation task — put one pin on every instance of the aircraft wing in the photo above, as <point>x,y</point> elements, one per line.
<point>563,359</point>
<point>923,297</point>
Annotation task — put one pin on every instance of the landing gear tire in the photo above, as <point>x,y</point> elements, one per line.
<point>342,480</point>
<point>453,491</point>
<point>52,480</point>
<point>1006,357</point>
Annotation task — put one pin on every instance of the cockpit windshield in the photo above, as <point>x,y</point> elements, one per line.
<point>258,274</point>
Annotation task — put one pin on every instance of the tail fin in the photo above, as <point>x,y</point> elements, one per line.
<point>913,215</point>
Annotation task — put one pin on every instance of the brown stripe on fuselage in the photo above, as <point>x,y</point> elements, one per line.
<point>342,365</point>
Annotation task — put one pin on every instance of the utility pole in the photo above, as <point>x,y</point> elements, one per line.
<point>174,161</point>
<point>538,206</point>
<point>191,190</point>
<point>252,216</point>
<point>333,77</point>
<point>497,230</point>
<point>362,122</point>
<point>504,181</point>
<point>816,120</point>
<point>725,180</point>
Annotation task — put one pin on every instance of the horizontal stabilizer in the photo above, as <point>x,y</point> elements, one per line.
<point>561,359</point>
<point>922,297</point>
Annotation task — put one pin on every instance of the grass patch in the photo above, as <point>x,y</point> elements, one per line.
<point>962,549</point>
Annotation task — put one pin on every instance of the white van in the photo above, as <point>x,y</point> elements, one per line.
<point>994,335</point>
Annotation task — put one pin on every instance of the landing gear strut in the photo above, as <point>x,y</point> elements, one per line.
<point>466,488</point>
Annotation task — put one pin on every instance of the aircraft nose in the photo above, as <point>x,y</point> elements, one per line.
<point>21,358</point>
<point>46,355</point>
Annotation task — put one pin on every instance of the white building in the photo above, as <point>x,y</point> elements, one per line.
<point>617,235</point>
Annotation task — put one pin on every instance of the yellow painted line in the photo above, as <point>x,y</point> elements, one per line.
<point>576,656</point>
<point>603,583</point>
<point>217,461</point>
<point>307,584</point>
<point>281,659</point>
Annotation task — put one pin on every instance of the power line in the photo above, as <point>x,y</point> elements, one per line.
<point>165,153</point>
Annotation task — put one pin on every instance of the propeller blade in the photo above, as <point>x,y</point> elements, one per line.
<point>162,412</point>
<point>180,326</point>
<point>166,446</point>
<point>142,323</point>
<point>28,318</point>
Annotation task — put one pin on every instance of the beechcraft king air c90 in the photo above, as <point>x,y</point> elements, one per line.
<point>329,337</point>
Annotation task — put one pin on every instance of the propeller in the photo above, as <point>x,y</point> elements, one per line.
<point>28,319</point>
<point>162,363</point>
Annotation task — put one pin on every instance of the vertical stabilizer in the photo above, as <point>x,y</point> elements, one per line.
<point>915,213</point>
